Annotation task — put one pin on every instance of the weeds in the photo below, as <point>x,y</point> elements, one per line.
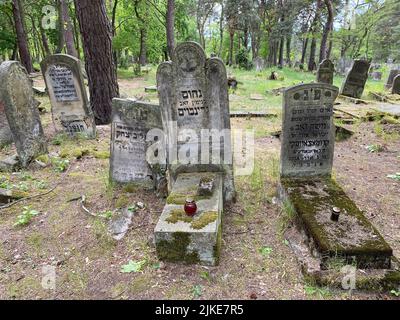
<point>26,217</point>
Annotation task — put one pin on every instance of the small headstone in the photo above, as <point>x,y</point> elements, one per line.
<point>396,85</point>
<point>259,64</point>
<point>17,97</point>
<point>354,84</point>
<point>376,75</point>
<point>325,72</point>
<point>393,73</point>
<point>130,138</point>
<point>68,96</point>
<point>308,130</point>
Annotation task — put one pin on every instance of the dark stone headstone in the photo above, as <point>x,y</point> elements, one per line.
<point>308,135</point>
<point>355,81</point>
<point>68,97</point>
<point>325,72</point>
<point>195,103</point>
<point>396,85</point>
<point>393,73</point>
<point>17,97</point>
<point>132,133</point>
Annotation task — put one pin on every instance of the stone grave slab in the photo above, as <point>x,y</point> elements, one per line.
<point>356,78</point>
<point>17,98</point>
<point>396,85</point>
<point>325,72</point>
<point>196,240</point>
<point>308,130</point>
<point>69,102</point>
<point>392,74</point>
<point>132,122</point>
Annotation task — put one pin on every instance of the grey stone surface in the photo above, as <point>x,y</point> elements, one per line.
<point>325,72</point>
<point>393,73</point>
<point>131,122</point>
<point>10,164</point>
<point>308,135</point>
<point>376,75</point>
<point>193,95</point>
<point>355,81</point>
<point>17,97</point>
<point>259,64</point>
<point>344,65</point>
<point>396,85</point>
<point>68,97</point>
<point>120,224</point>
<point>5,131</point>
<point>180,241</point>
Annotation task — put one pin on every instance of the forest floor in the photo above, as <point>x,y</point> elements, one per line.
<point>255,260</point>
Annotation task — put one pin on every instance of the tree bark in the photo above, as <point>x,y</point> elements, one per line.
<point>311,62</point>
<point>97,45</point>
<point>170,28</point>
<point>22,40</point>
<point>304,50</point>
<point>221,29</point>
<point>231,40</point>
<point>281,50</point>
<point>288,49</point>
<point>67,28</point>
<point>324,49</point>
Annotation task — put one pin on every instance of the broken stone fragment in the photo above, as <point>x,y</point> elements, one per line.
<point>7,196</point>
<point>10,164</point>
<point>120,224</point>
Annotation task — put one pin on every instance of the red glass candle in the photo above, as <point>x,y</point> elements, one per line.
<point>190,207</point>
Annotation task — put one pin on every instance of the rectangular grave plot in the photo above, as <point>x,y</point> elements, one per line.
<point>351,238</point>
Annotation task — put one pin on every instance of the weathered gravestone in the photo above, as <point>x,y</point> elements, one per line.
<point>68,97</point>
<point>16,95</point>
<point>325,72</point>
<point>376,75</point>
<point>133,131</point>
<point>396,85</point>
<point>194,99</point>
<point>344,65</point>
<point>332,222</point>
<point>355,81</point>
<point>259,64</point>
<point>5,132</point>
<point>393,73</point>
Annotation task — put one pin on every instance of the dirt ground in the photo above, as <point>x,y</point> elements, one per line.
<point>255,260</point>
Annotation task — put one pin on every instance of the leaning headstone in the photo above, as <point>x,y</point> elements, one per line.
<point>393,73</point>
<point>194,98</point>
<point>396,85</point>
<point>325,72</point>
<point>17,97</point>
<point>355,81</point>
<point>132,122</point>
<point>308,130</point>
<point>259,64</point>
<point>68,97</point>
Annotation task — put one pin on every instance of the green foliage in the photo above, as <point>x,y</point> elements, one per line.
<point>197,291</point>
<point>133,266</point>
<point>395,176</point>
<point>243,60</point>
<point>265,251</point>
<point>60,165</point>
<point>25,217</point>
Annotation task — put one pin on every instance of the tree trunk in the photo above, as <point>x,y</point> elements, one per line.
<point>231,40</point>
<point>22,40</point>
<point>304,50</point>
<point>67,28</point>
<point>97,45</point>
<point>45,42</point>
<point>221,29</point>
<point>143,47</point>
<point>281,50</point>
<point>314,26</point>
<point>170,28</point>
<point>288,49</point>
<point>324,49</point>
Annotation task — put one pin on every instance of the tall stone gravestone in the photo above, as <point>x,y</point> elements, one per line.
<point>355,81</point>
<point>194,100</point>
<point>308,130</point>
<point>393,73</point>
<point>325,72</point>
<point>396,85</point>
<point>17,99</point>
<point>132,133</point>
<point>65,84</point>
<point>259,64</point>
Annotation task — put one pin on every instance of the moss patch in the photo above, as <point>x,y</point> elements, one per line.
<point>180,198</point>
<point>197,223</point>
<point>177,249</point>
<point>178,215</point>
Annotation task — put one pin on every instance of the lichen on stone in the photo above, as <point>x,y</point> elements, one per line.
<point>204,220</point>
<point>177,249</point>
<point>178,215</point>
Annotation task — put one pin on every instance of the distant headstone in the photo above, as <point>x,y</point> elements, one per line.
<point>308,130</point>
<point>355,81</point>
<point>68,97</point>
<point>396,85</point>
<point>194,99</point>
<point>376,75</point>
<point>325,72</point>
<point>259,64</point>
<point>130,138</point>
<point>344,65</point>
<point>17,98</point>
<point>393,73</point>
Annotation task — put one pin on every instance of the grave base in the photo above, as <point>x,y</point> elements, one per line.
<point>196,240</point>
<point>353,239</point>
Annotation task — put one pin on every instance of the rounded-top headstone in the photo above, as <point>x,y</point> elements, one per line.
<point>396,85</point>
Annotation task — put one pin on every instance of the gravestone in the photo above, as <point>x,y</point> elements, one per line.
<point>355,81</point>
<point>344,65</point>
<point>132,122</point>
<point>65,84</point>
<point>393,73</point>
<point>308,130</point>
<point>5,131</point>
<point>194,100</point>
<point>259,64</point>
<point>396,85</point>
<point>376,75</point>
<point>325,72</point>
<point>17,98</point>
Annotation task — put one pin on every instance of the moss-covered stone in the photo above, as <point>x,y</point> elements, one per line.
<point>204,220</point>
<point>44,158</point>
<point>101,154</point>
<point>178,215</point>
<point>177,249</point>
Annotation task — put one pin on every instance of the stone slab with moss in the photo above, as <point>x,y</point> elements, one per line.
<point>196,240</point>
<point>353,238</point>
